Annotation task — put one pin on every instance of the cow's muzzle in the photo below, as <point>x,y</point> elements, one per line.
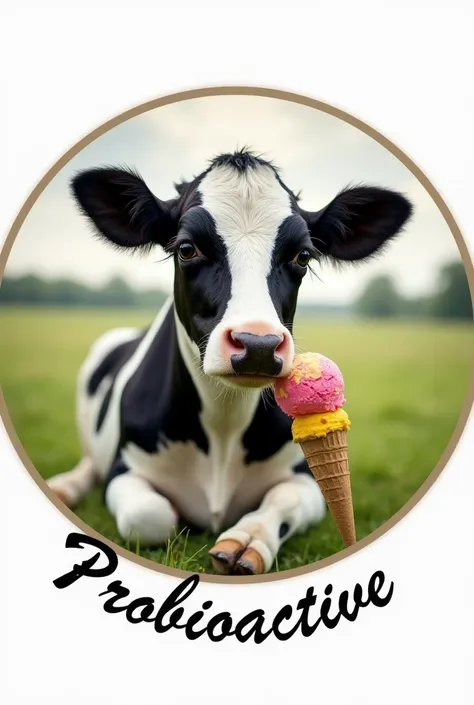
<point>259,354</point>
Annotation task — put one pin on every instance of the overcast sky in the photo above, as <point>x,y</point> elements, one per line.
<point>317,153</point>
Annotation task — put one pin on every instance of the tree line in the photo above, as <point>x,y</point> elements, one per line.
<point>31,290</point>
<point>451,299</point>
<point>380,298</point>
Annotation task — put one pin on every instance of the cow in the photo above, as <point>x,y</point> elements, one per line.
<point>178,421</point>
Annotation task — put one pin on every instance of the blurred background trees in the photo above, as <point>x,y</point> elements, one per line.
<point>32,290</point>
<point>451,298</point>
<point>379,299</point>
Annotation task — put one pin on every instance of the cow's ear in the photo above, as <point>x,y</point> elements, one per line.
<point>122,208</point>
<point>358,222</point>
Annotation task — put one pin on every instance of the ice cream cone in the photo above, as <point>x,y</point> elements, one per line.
<point>313,396</point>
<point>328,461</point>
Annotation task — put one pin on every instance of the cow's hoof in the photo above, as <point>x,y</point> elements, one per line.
<point>224,555</point>
<point>229,557</point>
<point>249,563</point>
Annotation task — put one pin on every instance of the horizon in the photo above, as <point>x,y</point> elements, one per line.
<point>163,291</point>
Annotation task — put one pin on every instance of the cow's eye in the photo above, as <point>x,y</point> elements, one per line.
<point>186,251</point>
<point>303,258</point>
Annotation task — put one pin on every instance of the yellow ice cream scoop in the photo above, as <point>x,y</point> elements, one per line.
<point>304,428</point>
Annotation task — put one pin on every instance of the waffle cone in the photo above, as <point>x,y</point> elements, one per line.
<point>327,459</point>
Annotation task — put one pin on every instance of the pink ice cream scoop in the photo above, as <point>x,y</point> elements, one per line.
<point>315,385</point>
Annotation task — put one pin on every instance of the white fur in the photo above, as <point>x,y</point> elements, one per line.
<point>141,513</point>
<point>248,209</point>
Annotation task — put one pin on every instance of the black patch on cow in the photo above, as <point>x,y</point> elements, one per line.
<point>284,529</point>
<point>202,286</point>
<point>269,431</point>
<point>198,226</point>
<point>118,467</point>
<point>302,468</point>
<point>110,365</point>
<point>160,402</point>
<point>286,276</point>
<point>103,409</point>
<point>292,237</point>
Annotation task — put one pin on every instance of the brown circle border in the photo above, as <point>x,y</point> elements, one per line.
<point>406,161</point>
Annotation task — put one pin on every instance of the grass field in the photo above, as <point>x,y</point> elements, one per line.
<point>405,385</point>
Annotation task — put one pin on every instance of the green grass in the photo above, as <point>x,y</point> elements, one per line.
<point>405,385</point>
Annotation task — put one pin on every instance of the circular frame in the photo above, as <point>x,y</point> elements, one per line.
<point>445,212</point>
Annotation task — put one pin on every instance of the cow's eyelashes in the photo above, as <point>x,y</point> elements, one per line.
<point>187,251</point>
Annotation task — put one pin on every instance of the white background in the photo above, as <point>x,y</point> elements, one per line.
<point>406,68</point>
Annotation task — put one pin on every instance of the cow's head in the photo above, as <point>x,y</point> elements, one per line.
<point>241,246</point>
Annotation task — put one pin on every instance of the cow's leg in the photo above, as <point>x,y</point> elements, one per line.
<point>70,486</point>
<point>250,547</point>
<point>141,513</point>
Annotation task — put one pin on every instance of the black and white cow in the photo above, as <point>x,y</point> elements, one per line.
<point>174,419</point>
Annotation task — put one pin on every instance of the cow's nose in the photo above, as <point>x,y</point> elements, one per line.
<point>259,354</point>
